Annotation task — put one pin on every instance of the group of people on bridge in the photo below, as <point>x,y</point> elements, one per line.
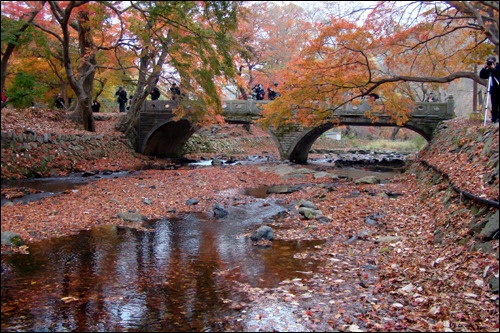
<point>122,99</point>
<point>175,93</point>
<point>259,93</point>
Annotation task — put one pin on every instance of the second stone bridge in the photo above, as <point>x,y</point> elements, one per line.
<point>160,135</point>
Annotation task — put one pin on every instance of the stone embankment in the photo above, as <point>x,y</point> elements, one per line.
<point>467,155</point>
<point>31,155</point>
<point>462,163</point>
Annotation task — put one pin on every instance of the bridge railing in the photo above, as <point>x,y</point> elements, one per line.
<point>158,105</point>
<point>252,109</point>
<point>249,110</point>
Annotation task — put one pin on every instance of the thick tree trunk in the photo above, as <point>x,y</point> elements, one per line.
<point>129,123</point>
<point>86,71</point>
<point>82,86</point>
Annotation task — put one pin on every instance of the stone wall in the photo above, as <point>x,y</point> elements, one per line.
<point>49,154</point>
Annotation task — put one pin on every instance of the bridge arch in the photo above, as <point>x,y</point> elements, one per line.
<point>299,150</point>
<point>168,138</point>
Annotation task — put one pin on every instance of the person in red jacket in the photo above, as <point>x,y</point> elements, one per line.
<point>4,97</point>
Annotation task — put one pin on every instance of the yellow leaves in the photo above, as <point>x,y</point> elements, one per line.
<point>23,249</point>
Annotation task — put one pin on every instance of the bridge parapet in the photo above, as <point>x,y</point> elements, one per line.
<point>442,110</point>
<point>159,105</point>
<point>251,109</point>
<point>242,111</point>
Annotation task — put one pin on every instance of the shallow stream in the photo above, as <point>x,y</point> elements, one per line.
<point>168,275</point>
<point>165,275</point>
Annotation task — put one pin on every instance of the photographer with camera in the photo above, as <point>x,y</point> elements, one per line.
<point>491,72</point>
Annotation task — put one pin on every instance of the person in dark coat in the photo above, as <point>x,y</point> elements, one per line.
<point>373,97</point>
<point>271,93</point>
<point>155,94</point>
<point>96,106</point>
<point>491,69</point>
<point>59,103</point>
<point>175,91</point>
<point>259,92</point>
<point>121,98</point>
<point>431,98</point>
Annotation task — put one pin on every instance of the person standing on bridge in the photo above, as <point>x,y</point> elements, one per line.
<point>491,72</point>
<point>373,97</point>
<point>271,93</point>
<point>431,98</point>
<point>175,91</point>
<point>155,94</point>
<point>258,91</point>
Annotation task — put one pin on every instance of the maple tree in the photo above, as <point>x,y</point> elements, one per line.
<point>398,44</point>
<point>399,50</point>
<point>69,43</point>
<point>12,30</point>
<point>269,36</point>
<point>190,37</point>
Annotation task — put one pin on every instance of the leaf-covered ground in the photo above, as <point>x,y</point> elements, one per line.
<point>409,282</point>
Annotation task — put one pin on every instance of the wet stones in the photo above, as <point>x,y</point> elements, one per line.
<point>219,211</point>
<point>262,233</point>
<point>11,239</point>
<point>309,210</point>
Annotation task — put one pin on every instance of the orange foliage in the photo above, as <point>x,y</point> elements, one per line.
<point>384,54</point>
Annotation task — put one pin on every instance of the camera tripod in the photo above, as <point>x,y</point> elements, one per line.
<point>487,98</point>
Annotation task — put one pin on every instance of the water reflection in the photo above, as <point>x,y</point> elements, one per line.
<point>38,188</point>
<point>168,275</point>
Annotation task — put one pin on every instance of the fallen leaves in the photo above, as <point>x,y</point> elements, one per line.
<point>409,283</point>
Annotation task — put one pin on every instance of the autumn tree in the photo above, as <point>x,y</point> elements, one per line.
<point>269,36</point>
<point>12,33</point>
<point>71,25</point>
<point>187,42</point>
<point>397,43</point>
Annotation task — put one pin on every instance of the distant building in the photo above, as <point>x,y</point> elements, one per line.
<point>334,135</point>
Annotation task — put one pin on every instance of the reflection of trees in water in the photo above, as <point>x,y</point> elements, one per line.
<point>114,278</point>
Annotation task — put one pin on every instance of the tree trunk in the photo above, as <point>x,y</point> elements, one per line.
<point>86,70</point>
<point>394,133</point>
<point>129,123</point>
<point>86,64</point>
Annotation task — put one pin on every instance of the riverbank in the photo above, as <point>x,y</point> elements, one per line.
<point>406,256</point>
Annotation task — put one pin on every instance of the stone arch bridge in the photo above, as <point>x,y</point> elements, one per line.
<point>160,135</point>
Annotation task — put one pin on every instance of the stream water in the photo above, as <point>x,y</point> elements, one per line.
<point>168,275</point>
